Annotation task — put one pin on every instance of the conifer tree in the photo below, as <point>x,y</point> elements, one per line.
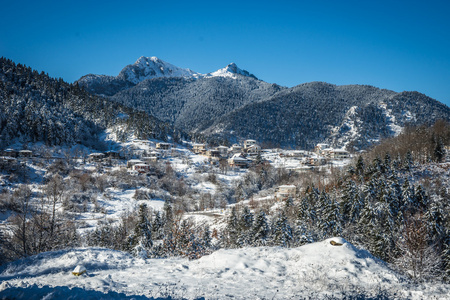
<point>244,224</point>
<point>206,238</point>
<point>232,229</point>
<point>420,198</point>
<point>330,219</point>
<point>446,256</point>
<point>282,231</point>
<point>158,226</point>
<point>439,150</point>
<point>360,167</point>
<point>289,208</point>
<point>435,219</point>
<point>168,217</point>
<point>407,199</point>
<point>409,161</point>
<point>350,202</point>
<point>140,242</point>
<point>260,230</point>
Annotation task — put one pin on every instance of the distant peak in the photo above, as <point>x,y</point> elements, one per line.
<point>153,67</point>
<point>232,66</point>
<point>147,60</point>
<point>231,70</point>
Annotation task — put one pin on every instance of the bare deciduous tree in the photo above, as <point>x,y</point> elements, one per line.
<point>54,191</point>
<point>418,255</point>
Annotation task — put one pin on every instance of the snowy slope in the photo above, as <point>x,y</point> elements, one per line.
<point>231,71</point>
<point>316,271</point>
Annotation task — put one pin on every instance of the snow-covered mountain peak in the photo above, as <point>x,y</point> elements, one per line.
<point>143,60</point>
<point>153,67</point>
<point>148,68</point>
<point>231,70</point>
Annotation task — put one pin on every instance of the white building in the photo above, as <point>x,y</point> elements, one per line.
<point>223,150</point>
<point>249,143</point>
<point>238,161</point>
<point>141,168</point>
<point>199,148</point>
<point>253,150</point>
<point>163,146</point>
<point>320,147</point>
<point>150,159</point>
<point>96,156</point>
<point>285,191</point>
<point>236,148</point>
<point>133,162</point>
<point>339,154</point>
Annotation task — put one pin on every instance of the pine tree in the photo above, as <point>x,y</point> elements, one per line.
<point>289,208</point>
<point>395,195</point>
<point>407,200</point>
<point>351,203</point>
<point>158,226</point>
<point>439,150</point>
<point>245,223</point>
<point>206,238</point>
<point>282,231</point>
<point>435,219</point>
<point>140,242</point>
<point>233,229</point>
<point>260,230</point>
<point>3,243</point>
<point>330,219</point>
<point>168,217</point>
<point>387,163</point>
<point>302,233</point>
<point>446,256</point>
<point>185,241</point>
<point>409,161</point>
<point>420,198</point>
<point>313,207</point>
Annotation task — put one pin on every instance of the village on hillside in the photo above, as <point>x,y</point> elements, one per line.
<point>140,156</point>
<point>142,153</point>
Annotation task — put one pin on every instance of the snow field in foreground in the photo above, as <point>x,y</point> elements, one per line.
<point>315,270</point>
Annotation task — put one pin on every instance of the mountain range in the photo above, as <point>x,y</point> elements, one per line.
<point>234,104</point>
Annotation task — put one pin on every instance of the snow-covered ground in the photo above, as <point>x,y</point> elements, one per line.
<point>314,271</point>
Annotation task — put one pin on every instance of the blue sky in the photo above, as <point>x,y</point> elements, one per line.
<point>397,45</point>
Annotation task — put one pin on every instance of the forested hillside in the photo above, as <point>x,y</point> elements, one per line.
<point>35,107</point>
<point>355,116</point>
<point>194,104</point>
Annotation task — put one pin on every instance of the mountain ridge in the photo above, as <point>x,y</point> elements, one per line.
<point>150,68</point>
<point>351,116</point>
<point>234,104</point>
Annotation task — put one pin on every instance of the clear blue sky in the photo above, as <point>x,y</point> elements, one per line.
<point>398,45</point>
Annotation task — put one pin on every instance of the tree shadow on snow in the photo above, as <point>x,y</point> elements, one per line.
<point>62,292</point>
